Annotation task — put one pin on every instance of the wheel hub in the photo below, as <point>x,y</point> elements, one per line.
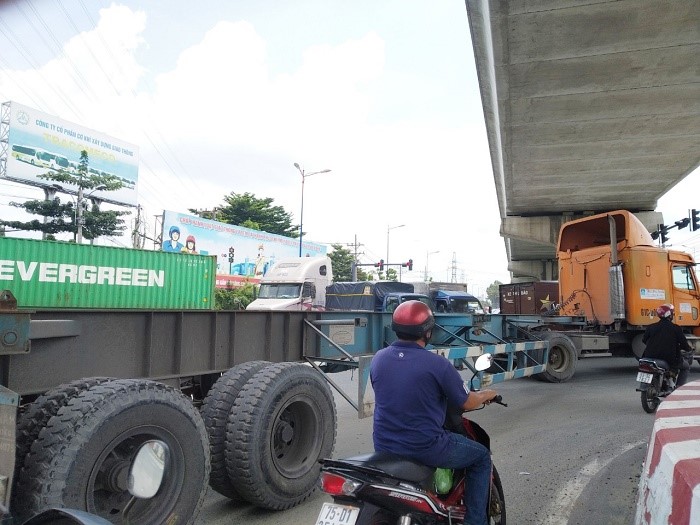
<point>115,476</point>
<point>285,431</point>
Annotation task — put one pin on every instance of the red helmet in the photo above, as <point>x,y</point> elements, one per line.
<point>665,310</point>
<point>412,318</point>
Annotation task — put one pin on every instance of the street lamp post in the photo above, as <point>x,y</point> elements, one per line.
<point>301,215</point>
<point>80,219</point>
<point>388,229</point>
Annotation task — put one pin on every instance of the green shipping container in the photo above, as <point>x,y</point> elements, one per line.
<point>49,274</point>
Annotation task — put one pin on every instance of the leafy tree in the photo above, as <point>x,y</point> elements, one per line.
<point>363,275</point>
<point>234,298</point>
<point>493,294</point>
<point>62,217</point>
<point>342,259</point>
<point>257,214</point>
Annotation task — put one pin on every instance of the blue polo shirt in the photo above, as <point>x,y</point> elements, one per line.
<point>412,387</point>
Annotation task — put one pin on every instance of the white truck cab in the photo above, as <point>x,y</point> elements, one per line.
<point>297,283</point>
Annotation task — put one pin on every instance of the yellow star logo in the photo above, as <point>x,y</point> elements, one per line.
<point>546,303</point>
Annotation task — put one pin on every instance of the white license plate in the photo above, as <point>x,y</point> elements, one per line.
<point>643,377</point>
<point>334,514</point>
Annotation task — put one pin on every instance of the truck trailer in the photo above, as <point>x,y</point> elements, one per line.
<point>239,399</point>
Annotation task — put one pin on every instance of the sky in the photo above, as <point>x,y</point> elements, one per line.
<point>224,97</point>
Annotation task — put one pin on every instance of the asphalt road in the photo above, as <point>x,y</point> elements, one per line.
<point>567,453</point>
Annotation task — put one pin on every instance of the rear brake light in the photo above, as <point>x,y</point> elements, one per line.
<point>336,485</point>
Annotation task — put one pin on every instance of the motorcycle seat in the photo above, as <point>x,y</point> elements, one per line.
<point>660,363</point>
<point>393,465</point>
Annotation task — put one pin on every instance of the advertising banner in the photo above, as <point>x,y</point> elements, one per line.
<point>243,255</point>
<point>40,143</point>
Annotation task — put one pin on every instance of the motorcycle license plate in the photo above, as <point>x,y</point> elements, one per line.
<point>334,514</point>
<point>643,377</point>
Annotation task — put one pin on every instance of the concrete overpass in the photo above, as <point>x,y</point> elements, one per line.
<point>590,106</point>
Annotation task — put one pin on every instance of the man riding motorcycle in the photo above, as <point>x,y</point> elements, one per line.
<point>413,388</point>
<point>665,340</point>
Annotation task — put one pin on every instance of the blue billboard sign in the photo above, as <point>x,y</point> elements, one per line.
<point>242,254</point>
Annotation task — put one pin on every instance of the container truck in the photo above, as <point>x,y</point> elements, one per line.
<point>613,276</point>
<point>238,398</point>
<point>296,283</point>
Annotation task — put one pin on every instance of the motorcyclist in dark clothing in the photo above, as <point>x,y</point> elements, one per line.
<point>665,340</point>
<point>413,388</point>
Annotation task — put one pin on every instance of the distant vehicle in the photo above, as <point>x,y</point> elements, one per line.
<point>295,283</point>
<point>371,296</point>
<point>24,153</point>
<point>451,297</point>
<point>450,301</point>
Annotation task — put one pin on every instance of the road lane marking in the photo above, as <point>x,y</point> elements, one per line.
<point>559,511</point>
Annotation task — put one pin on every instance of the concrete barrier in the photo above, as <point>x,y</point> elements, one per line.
<point>669,489</point>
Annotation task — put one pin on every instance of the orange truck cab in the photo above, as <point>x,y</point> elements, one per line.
<point>612,272</point>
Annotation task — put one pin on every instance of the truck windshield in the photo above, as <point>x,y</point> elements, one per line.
<point>466,307</point>
<point>279,290</point>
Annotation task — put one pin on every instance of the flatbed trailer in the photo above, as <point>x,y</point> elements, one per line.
<point>242,400</point>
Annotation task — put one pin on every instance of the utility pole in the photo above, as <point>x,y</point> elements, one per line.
<point>454,267</point>
<point>158,241</point>
<point>136,239</point>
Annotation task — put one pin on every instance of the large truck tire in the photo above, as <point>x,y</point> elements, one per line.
<point>81,458</point>
<point>281,425</point>
<point>561,364</point>
<point>37,414</point>
<point>216,408</point>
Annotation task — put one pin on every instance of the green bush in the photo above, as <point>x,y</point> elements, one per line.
<point>234,298</point>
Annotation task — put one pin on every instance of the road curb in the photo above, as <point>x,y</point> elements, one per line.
<point>669,488</point>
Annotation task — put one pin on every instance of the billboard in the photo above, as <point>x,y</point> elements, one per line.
<point>242,255</point>
<point>39,143</point>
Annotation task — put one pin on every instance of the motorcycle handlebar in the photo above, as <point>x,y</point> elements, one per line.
<point>499,400</point>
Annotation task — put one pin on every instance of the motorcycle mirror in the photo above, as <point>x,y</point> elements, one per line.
<point>483,362</point>
<point>147,470</point>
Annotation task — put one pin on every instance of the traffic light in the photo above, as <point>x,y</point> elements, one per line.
<point>410,265</point>
<point>694,220</point>
<point>380,265</point>
<point>231,253</point>
<point>664,235</point>
<point>682,223</point>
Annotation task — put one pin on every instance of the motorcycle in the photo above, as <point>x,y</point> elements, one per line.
<point>656,380</point>
<point>384,489</point>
